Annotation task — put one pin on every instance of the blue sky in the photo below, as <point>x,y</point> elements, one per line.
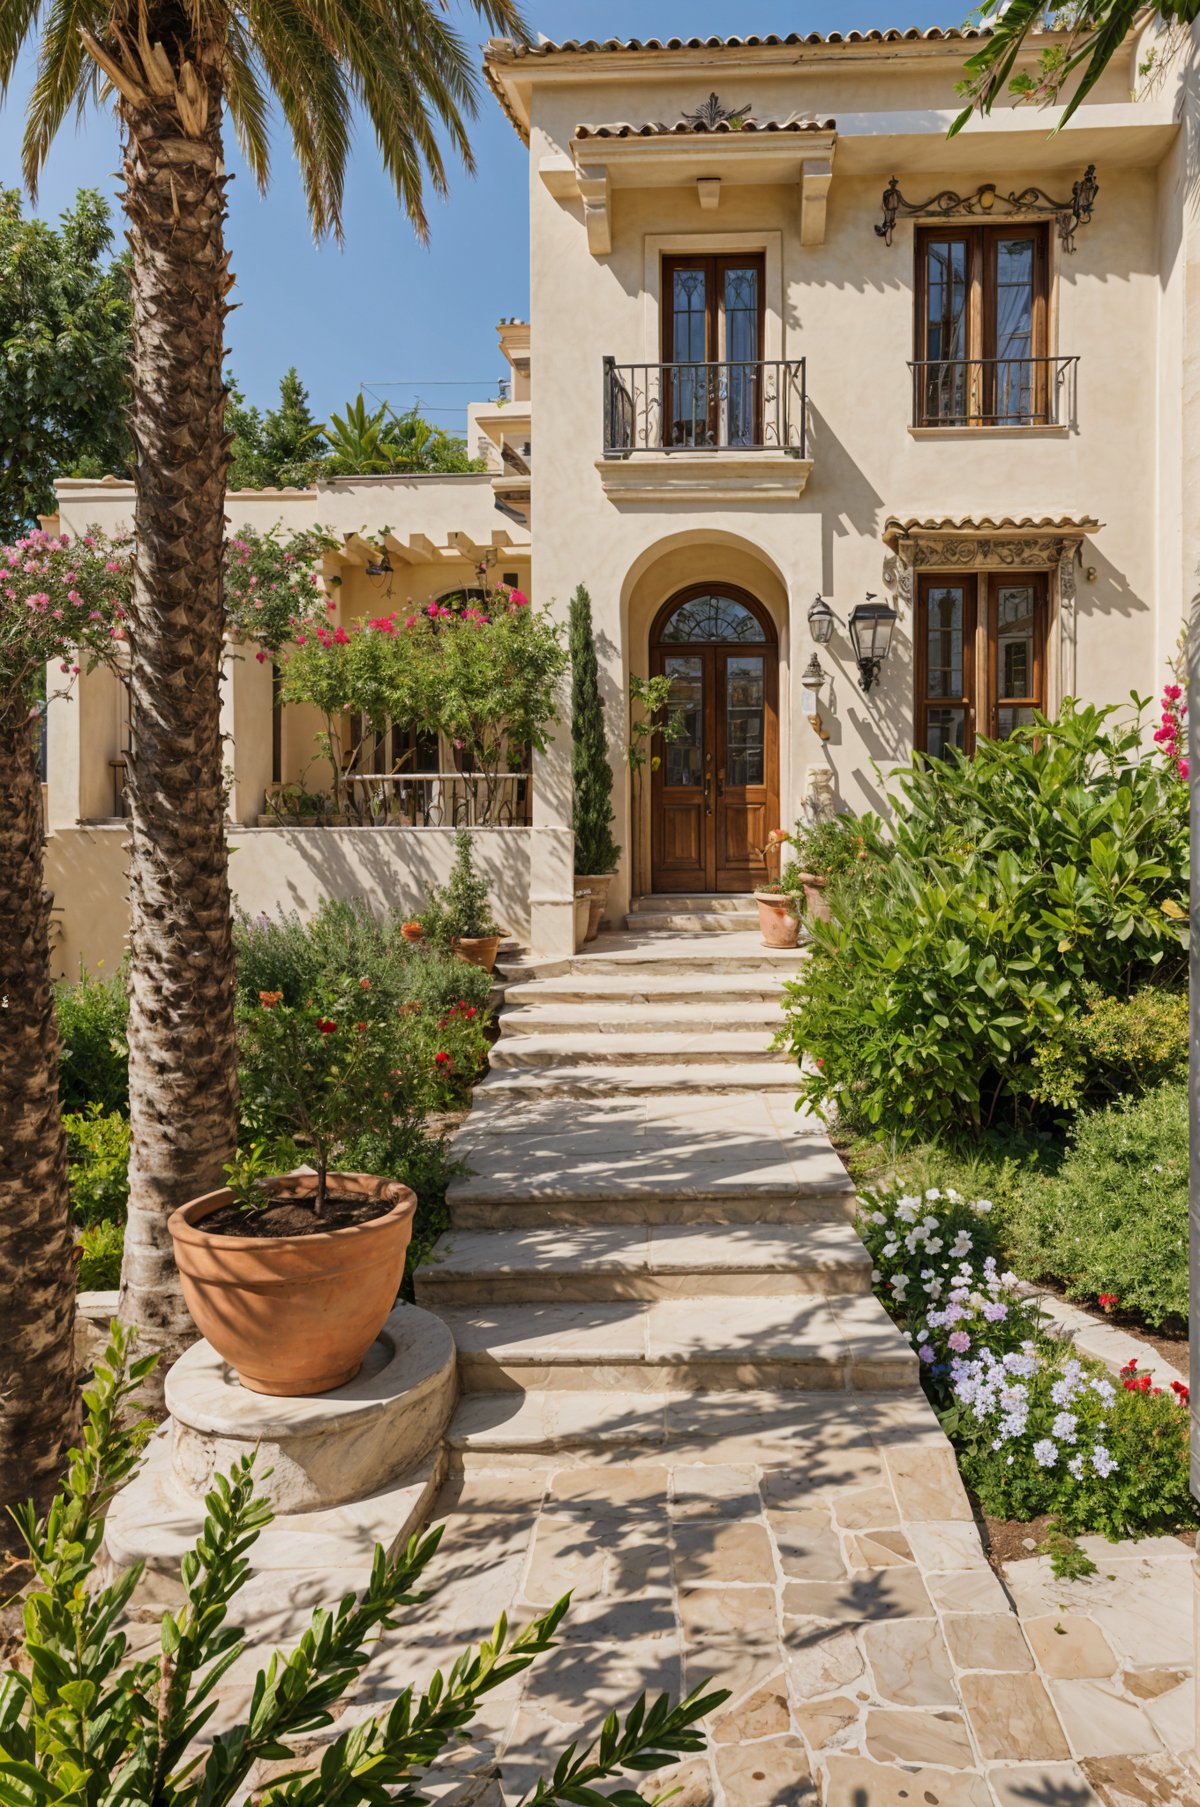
<point>383,310</point>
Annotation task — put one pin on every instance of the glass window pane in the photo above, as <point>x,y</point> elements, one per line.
<point>1015,627</point>
<point>945,617</point>
<point>712,619</point>
<point>1014,330</point>
<point>745,754</point>
<point>683,759</point>
<point>687,420</point>
<point>945,375</point>
<point>1010,718</point>
<point>945,729</point>
<point>740,383</point>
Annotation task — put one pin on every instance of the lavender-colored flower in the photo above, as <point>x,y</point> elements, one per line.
<point>1045,1453</point>
<point>1065,1427</point>
<point>959,1341</point>
<point>995,1311</point>
<point>925,1353</point>
<point>1103,1462</point>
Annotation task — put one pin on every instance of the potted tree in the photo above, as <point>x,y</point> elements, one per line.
<point>596,853</point>
<point>459,913</point>
<point>291,1275</point>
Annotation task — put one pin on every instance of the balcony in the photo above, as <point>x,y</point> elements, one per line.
<point>993,392</point>
<point>705,431</point>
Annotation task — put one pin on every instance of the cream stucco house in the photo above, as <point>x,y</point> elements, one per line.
<point>787,343</point>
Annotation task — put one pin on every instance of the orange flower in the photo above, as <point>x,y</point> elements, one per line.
<point>269,999</point>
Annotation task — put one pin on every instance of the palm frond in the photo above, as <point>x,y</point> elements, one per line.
<point>17,21</point>
<point>314,98</point>
<point>249,110</point>
<point>64,69</point>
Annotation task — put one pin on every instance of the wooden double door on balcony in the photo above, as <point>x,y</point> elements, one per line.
<point>715,792</point>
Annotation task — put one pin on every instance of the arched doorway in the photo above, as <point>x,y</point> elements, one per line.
<point>715,794</point>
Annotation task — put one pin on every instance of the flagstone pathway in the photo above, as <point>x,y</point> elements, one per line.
<point>681,1402</point>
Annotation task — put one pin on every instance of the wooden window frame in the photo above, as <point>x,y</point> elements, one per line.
<point>982,244</point>
<point>981,651</point>
<point>714,264</point>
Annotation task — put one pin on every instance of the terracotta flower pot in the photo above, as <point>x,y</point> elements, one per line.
<point>478,950</point>
<point>412,932</point>
<point>295,1314</point>
<point>815,902</point>
<point>583,911</point>
<point>598,885</point>
<point>776,921</point>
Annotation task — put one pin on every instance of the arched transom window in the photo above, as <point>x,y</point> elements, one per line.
<point>713,619</point>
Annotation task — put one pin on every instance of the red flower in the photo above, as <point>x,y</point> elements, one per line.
<point>364,984</point>
<point>1108,1300</point>
<point>442,1059</point>
<point>325,1025</point>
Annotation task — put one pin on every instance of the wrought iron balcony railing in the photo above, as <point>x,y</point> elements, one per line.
<point>994,392</point>
<point>727,407</point>
<point>438,800</point>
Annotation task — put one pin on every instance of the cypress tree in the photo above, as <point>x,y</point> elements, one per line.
<point>595,850</point>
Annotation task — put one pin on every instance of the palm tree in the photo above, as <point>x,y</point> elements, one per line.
<point>174,68</point>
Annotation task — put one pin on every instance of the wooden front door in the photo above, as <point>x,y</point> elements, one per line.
<point>715,794</point>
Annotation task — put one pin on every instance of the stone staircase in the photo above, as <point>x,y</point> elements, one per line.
<point>705,913</point>
<point>646,1217</point>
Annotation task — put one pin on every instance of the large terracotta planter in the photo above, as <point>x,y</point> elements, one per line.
<point>776,920</point>
<point>295,1314</point>
<point>597,884</point>
<point>583,911</point>
<point>816,904</point>
<point>478,950</point>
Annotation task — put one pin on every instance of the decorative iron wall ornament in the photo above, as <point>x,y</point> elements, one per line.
<point>1028,203</point>
<point>712,114</point>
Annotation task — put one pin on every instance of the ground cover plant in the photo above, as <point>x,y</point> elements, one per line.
<point>1016,891</point>
<point>82,1721</point>
<point>1037,1430</point>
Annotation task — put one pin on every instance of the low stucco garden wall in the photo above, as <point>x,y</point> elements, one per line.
<point>274,869</point>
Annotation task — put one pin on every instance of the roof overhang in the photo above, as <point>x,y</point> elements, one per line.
<point>986,539</point>
<point>604,160</point>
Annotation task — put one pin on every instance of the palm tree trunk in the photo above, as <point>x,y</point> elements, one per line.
<point>182,1086</point>
<point>39,1395</point>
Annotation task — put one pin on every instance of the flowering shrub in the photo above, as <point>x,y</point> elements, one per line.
<point>1036,1430</point>
<point>935,1268</point>
<point>1171,734</point>
<point>63,601</point>
<point>272,590</point>
<point>1039,1433</point>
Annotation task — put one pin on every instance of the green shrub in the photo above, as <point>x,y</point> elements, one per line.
<point>1114,1217</point>
<point>1049,866</point>
<point>1119,1045</point>
<point>97,1165</point>
<point>101,1248</point>
<point>850,851</point>
<point>94,1058</point>
<point>462,907</point>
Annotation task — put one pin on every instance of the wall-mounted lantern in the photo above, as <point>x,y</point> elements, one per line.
<point>380,567</point>
<point>821,620</point>
<point>812,679</point>
<point>871,626</point>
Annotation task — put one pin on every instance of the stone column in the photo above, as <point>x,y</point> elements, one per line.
<point>552,852</point>
<point>83,734</point>
<point>246,724</point>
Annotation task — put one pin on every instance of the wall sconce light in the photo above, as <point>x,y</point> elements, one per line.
<point>812,679</point>
<point>821,619</point>
<point>381,567</point>
<point>871,627</point>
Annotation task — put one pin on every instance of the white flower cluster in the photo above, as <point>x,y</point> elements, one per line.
<point>994,1391</point>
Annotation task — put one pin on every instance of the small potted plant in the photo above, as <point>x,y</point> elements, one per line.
<point>291,1275</point>
<point>778,913</point>
<point>459,913</point>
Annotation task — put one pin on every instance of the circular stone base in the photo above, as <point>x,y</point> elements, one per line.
<point>327,1448</point>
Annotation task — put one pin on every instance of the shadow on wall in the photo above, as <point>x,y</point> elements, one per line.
<point>273,869</point>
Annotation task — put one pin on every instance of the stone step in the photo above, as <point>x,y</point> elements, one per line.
<point>843,1340</point>
<point>654,1261</point>
<point>705,902</point>
<point>692,922</point>
<point>522,1212</point>
<point>748,988</point>
<point>700,1015</point>
<point>586,1078</point>
<point>628,1048</point>
<point>497,1424</point>
<point>657,957</point>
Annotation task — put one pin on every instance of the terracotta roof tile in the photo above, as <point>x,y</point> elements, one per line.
<point>924,525</point>
<point>912,34</point>
<point>748,128</point>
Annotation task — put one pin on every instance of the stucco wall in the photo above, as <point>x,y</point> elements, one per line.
<point>291,869</point>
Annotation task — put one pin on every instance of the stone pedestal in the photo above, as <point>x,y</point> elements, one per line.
<point>343,1471</point>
